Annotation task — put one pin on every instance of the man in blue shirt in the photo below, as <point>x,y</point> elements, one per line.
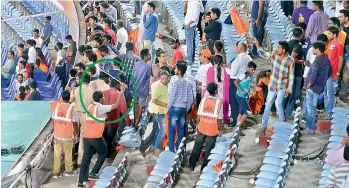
<point>150,22</point>
<point>47,30</point>
<point>141,72</point>
<point>107,41</point>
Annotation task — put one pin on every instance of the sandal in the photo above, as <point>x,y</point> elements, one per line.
<point>263,131</point>
<point>326,117</point>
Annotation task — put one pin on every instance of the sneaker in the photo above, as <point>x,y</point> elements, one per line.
<point>56,175</point>
<point>81,185</point>
<point>92,177</point>
<point>68,174</point>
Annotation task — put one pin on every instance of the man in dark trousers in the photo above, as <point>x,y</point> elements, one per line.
<point>93,139</point>
<point>209,126</point>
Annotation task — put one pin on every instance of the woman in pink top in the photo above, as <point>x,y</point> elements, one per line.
<point>218,75</point>
<point>335,156</point>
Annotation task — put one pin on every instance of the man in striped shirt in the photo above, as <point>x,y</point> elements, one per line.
<point>129,60</point>
<point>339,174</point>
<point>180,101</point>
<point>281,80</point>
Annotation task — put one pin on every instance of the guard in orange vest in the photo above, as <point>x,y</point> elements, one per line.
<point>93,139</point>
<point>210,115</point>
<point>65,131</point>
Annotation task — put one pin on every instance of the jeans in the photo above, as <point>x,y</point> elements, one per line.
<point>190,34</point>
<point>329,96</point>
<point>160,132</point>
<point>289,107</point>
<point>234,104</point>
<point>310,103</point>
<point>256,33</point>
<point>199,143</point>
<point>176,120</point>
<point>92,145</point>
<point>279,95</point>
<point>67,148</point>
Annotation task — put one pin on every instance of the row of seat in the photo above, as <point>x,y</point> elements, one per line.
<point>278,158</point>
<point>167,168</point>
<point>113,176</point>
<point>132,138</point>
<point>229,35</point>
<point>224,150</point>
<point>339,122</point>
<point>126,15</point>
<point>21,26</point>
<point>60,27</point>
<point>328,8</point>
<point>277,26</point>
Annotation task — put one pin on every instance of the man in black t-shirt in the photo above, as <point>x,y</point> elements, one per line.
<point>296,51</point>
<point>344,19</point>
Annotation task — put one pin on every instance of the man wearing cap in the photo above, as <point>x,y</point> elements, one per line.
<point>201,75</point>
<point>178,54</point>
<point>47,31</point>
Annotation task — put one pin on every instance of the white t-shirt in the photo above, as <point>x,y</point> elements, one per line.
<point>38,42</point>
<point>31,55</point>
<point>310,57</point>
<point>201,75</point>
<point>60,58</point>
<point>122,37</point>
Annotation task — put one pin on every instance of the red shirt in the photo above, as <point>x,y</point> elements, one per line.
<point>178,55</point>
<point>112,33</point>
<point>110,97</point>
<point>336,49</point>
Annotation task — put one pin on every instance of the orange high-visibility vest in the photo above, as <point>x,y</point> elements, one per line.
<point>62,121</point>
<point>93,129</point>
<point>208,113</point>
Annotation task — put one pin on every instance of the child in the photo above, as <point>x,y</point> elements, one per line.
<point>72,79</point>
<point>243,83</point>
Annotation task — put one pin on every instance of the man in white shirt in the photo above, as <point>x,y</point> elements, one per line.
<point>141,26</point>
<point>122,37</point>
<point>201,75</point>
<point>89,58</point>
<point>60,62</point>
<point>191,20</point>
<point>37,38</point>
<point>31,53</point>
<point>237,67</point>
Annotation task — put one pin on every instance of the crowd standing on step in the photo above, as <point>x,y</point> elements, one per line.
<point>316,60</point>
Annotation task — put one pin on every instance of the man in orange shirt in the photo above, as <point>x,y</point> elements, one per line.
<point>178,54</point>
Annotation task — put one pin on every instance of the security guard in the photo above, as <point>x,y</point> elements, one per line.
<point>210,115</point>
<point>93,139</point>
<point>65,132</point>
